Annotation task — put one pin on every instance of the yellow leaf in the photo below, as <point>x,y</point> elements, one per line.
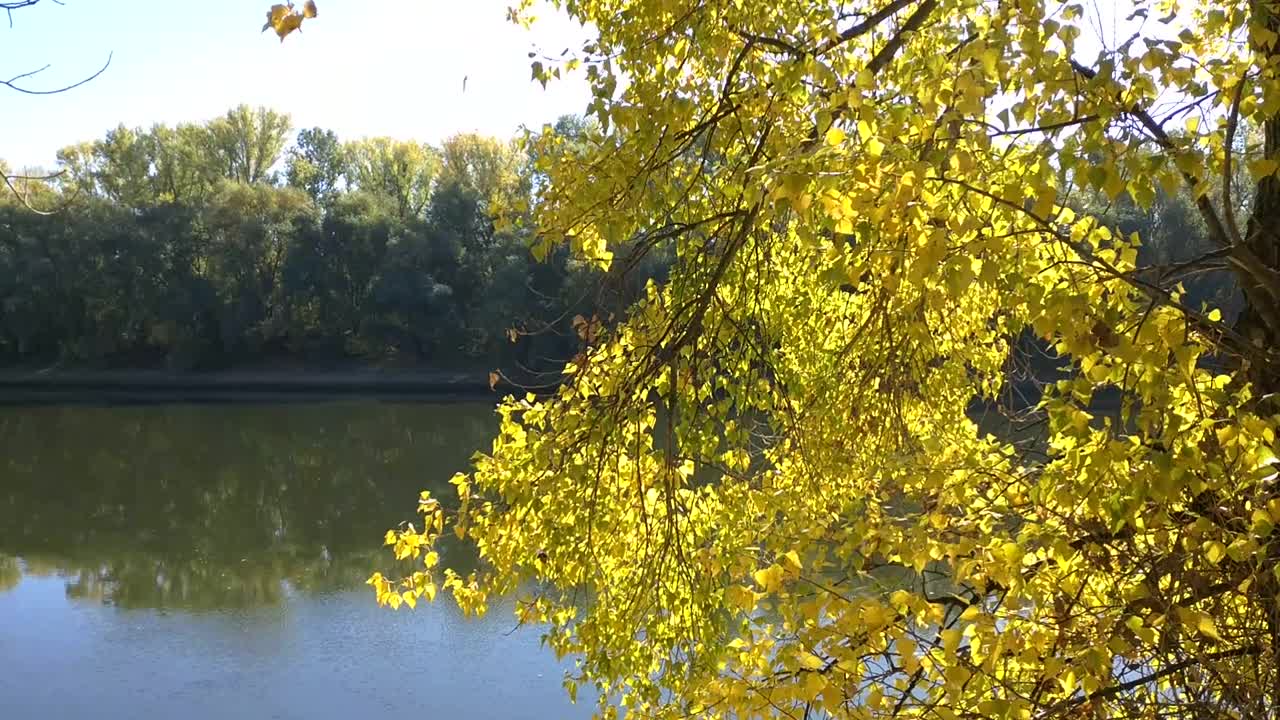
<point>1206,626</point>
<point>907,653</point>
<point>769,578</point>
<point>1114,183</point>
<point>951,640</point>
<point>835,136</point>
<point>810,661</point>
<point>792,560</point>
<point>1265,167</point>
<point>1215,551</point>
<point>875,148</point>
<point>743,598</point>
<point>1046,196</point>
<point>876,616</point>
<point>1262,524</point>
<point>1200,621</point>
<point>284,19</point>
<point>814,684</point>
<point>1011,553</point>
<point>275,16</point>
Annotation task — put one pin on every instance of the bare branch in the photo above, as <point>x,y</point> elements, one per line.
<point>22,198</point>
<point>27,91</point>
<point>9,7</point>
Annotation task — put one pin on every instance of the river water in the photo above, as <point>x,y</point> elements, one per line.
<point>208,561</point>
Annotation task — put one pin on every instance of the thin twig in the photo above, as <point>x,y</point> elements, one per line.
<point>26,91</point>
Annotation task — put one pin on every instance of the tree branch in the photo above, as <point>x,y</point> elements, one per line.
<point>1233,120</point>
<point>27,91</point>
<point>1123,687</point>
<point>1241,257</point>
<point>22,198</point>
<point>913,23</point>
<point>865,26</point>
<point>9,7</point>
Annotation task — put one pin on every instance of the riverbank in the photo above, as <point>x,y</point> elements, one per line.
<point>21,387</point>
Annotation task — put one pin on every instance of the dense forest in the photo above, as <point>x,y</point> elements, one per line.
<point>235,242</point>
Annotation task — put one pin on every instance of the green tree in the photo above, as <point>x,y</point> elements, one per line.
<point>124,167</point>
<point>403,171</point>
<point>248,142</point>
<point>770,490</point>
<point>252,229</point>
<point>166,255</point>
<point>317,163</point>
<point>481,165</point>
<point>331,278</point>
<point>184,168</point>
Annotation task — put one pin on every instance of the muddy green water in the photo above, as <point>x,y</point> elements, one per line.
<point>201,562</point>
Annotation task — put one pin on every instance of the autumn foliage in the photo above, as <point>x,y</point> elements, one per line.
<point>908,431</point>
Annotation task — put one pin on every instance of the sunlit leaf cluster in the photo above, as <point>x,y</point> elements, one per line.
<point>906,432</point>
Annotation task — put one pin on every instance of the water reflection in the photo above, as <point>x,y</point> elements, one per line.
<point>10,573</point>
<point>200,507</point>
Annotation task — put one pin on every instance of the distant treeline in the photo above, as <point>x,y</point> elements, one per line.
<point>208,245</point>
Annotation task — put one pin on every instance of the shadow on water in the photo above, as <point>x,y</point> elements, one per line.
<point>212,507</point>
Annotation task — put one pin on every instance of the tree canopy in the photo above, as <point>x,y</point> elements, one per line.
<point>912,428</point>
<point>222,243</point>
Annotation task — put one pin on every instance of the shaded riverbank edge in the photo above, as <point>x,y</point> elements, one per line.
<point>56,386</point>
<point>71,386</point>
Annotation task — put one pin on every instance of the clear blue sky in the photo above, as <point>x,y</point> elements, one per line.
<point>362,68</point>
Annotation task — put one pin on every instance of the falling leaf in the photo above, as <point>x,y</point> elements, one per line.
<point>275,16</point>
<point>284,19</point>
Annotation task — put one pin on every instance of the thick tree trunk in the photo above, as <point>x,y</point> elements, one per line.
<point>1257,324</point>
<point>1262,235</point>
